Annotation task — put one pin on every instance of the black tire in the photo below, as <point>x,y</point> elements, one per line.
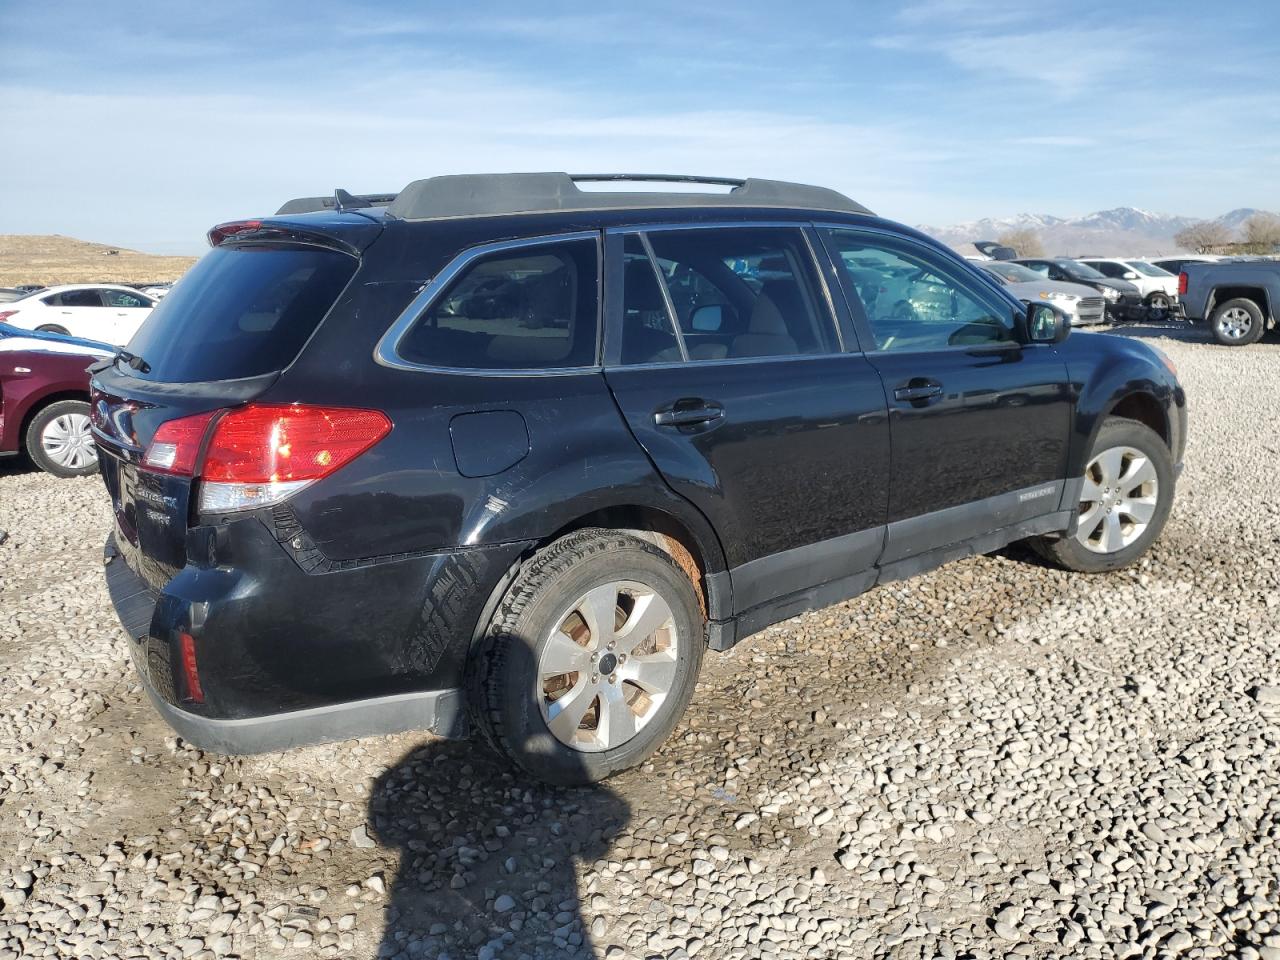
<point>1224,311</point>
<point>506,695</point>
<point>1158,303</point>
<point>53,328</point>
<point>35,433</point>
<point>1067,551</point>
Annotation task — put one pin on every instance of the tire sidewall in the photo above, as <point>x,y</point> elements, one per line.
<point>1118,432</point>
<point>527,738</point>
<point>35,449</point>
<point>1255,316</point>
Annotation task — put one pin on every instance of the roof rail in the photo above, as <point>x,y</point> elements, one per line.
<point>493,194</point>
<point>339,200</point>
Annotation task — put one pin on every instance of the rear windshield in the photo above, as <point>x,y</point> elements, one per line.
<point>240,312</point>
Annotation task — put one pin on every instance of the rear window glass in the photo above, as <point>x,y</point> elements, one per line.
<point>527,308</point>
<point>240,312</point>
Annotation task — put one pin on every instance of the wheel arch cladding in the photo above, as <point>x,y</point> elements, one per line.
<point>1259,295</point>
<point>1142,407</point>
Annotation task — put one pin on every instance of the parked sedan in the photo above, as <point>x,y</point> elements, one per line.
<point>1124,302</point>
<point>1159,288</point>
<point>105,313</point>
<point>1083,304</point>
<point>44,399</point>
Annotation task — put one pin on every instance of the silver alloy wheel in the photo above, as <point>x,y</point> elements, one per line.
<point>1118,500</point>
<point>67,441</point>
<point>1235,323</point>
<point>608,666</point>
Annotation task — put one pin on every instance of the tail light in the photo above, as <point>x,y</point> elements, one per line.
<point>6,314</point>
<point>260,454</point>
<point>1182,284</point>
<point>190,669</point>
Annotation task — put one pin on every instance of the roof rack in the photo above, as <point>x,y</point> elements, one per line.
<point>493,194</point>
<point>339,200</point>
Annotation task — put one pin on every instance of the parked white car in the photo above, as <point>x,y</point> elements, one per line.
<point>1159,288</point>
<point>103,312</point>
<point>1084,305</point>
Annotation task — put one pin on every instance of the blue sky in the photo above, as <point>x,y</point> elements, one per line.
<point>142,124</point>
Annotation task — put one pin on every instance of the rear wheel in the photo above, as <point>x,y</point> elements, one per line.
<point>1237,323</point>
<point>59,440</point>
<point>590,659</point>
<point>53,328</point>
<point>1124,501</point>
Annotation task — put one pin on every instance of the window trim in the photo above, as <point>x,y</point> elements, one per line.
<point>816,263</point>
<point>386,352</point>
<point>862,323</point>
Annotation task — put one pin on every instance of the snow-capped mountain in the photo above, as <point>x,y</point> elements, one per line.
<point>1124,230</point>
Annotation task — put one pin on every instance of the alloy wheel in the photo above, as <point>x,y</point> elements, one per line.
<point>608,666</point>
<point>1118,500</point>
<point>1235,323</point>
<point>68,442</point>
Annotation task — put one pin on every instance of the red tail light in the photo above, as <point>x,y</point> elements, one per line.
<point>279,444</point>
<point>260,454</point>
<point>224,231</point>
<point>1182,284</point>
<point>6,314</point>
<point>190,670</point>
<point>176,445</point>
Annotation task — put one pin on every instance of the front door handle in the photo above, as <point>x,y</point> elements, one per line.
<point>684,413</point>
<point>918,389</point>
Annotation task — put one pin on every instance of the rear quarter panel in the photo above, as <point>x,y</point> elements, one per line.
<point>29,378</point>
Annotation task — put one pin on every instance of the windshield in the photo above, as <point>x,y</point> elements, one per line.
<point>1148,269</point>
<point>240,312</point>
<point>1011,272</point>
<point>1082,270</point>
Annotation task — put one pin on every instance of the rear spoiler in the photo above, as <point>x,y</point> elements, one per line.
<point>339,201</point>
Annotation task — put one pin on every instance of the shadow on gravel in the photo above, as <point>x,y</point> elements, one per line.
<point>488,855</point>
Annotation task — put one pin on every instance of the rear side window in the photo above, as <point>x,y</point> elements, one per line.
<point>241,312</point>
<point>524,308</point>
<point>742,292</point>
<point>76,298</point>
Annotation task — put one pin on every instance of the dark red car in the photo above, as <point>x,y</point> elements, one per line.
<point>44,399</point>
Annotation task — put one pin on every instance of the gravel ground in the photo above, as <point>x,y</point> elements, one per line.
<point>994,760</point>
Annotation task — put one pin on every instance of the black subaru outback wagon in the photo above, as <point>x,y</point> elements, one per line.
<point>503,452</point>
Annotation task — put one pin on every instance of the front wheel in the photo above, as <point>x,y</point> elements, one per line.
<point>59,440</point>
<point>1158,305</point>
<point>590,659</point>
<point>1237,323</point>
<point>53,328</point>
<point>1124,501</point>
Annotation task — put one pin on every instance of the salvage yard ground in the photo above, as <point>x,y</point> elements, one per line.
<point>997,759</point>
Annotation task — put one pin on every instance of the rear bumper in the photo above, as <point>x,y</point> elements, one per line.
<point>268,656</point>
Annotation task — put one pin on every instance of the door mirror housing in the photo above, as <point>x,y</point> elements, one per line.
<point>707,318</point>
<point>1046,323</point>
<point>1128,275</point>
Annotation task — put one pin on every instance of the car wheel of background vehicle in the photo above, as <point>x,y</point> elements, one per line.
<point>60,442</point>
<point>1158,304</point>
<point>590,659</point>
<point>53,328</point>
<point>1124,503</point>
<point>1237,323</point>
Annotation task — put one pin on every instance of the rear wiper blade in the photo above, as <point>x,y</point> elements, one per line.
<point>132,359</point>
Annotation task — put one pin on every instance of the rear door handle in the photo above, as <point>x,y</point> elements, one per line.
<point>683,413</point>
<point>918,390</point>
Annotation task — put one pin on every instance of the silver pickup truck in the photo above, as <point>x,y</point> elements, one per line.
<point>1240,300</point>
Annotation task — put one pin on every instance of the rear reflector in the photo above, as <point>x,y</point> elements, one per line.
<point>195,693</point>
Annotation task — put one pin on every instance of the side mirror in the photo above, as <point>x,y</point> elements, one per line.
<point>1046,323</point>
<point>707,318</point>
<point>1128,275</point>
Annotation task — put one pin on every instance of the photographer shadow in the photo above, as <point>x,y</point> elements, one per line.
<point>489,856</point>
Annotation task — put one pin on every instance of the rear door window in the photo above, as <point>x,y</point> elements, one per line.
<point>241,312</point>
<point>78,298</point>
<point>124,299</point>
<point>742,292</point>
<point>522,308</point>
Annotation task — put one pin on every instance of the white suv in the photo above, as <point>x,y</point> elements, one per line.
<point>104,312</point>
<point>1159,288</point>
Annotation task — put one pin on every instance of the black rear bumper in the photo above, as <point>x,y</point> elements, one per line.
<point>274,669</point>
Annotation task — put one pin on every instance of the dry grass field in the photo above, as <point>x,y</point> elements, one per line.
<point>50,259</point>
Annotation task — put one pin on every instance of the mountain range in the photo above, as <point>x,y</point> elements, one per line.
<point>1124,231</point>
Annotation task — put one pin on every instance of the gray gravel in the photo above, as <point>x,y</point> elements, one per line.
<point>995,760</point>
